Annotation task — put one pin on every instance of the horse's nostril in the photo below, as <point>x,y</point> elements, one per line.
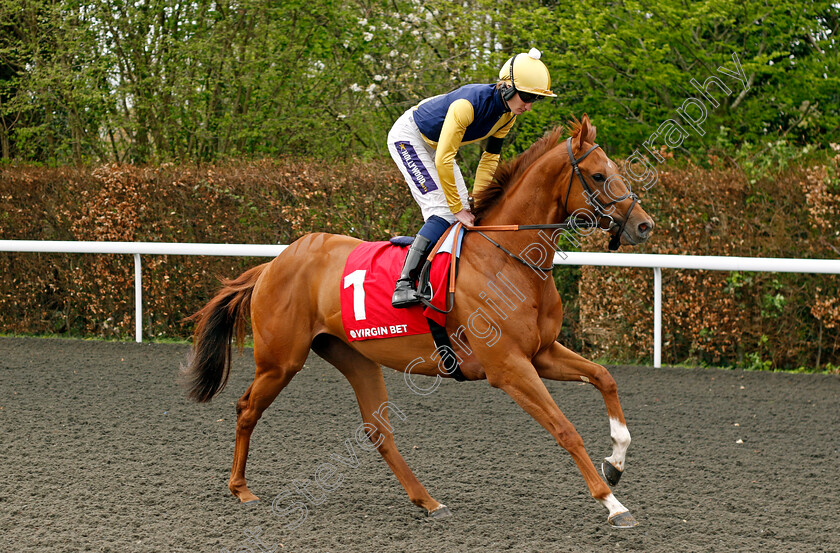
<point>644,228</point>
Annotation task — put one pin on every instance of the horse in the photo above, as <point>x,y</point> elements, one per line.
<point>294,306</point>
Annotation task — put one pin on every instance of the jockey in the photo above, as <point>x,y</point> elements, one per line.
<point>426,138</point>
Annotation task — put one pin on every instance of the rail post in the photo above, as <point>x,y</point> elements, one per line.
<point>657,317</point>
<point>138,299</point>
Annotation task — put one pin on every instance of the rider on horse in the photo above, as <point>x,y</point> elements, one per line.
<point>426,138</point>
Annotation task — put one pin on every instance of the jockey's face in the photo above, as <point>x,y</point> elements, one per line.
<point>517,106</point>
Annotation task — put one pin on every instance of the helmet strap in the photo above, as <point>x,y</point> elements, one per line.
<point>510,91</point>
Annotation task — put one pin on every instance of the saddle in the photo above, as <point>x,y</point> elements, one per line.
<point>367,283</point>
<point>444,245</point>
<point>368,280</point>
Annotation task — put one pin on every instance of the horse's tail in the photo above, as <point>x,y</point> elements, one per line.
<point>208,365</point>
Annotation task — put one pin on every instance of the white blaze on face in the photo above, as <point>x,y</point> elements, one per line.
<point>611,164</point>
<point>621,441</point>
<point>611,503</point>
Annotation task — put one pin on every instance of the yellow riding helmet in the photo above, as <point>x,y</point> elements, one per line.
<point>528,74</point>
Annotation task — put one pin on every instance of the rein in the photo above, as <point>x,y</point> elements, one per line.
<point>564,226</point>
<point>424,273</point>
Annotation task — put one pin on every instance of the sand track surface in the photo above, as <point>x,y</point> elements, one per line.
<point>101,451</point>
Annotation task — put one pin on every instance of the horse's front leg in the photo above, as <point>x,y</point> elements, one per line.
<point>520,381</point>
<point>560,363</point>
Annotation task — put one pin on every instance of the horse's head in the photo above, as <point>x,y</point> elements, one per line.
<point>554,181</point>
<point>598,194</point>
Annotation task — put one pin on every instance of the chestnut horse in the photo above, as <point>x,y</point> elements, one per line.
<point>294,304</point>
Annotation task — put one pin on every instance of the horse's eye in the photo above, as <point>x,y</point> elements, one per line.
<point>598,177</point>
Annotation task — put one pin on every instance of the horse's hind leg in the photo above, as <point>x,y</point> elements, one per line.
<point>561,363</point>
<point>274,371</point>
<point>366,378</point>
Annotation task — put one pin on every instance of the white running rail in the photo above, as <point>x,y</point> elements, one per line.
<point>137,249</point>
<point>656,262</point>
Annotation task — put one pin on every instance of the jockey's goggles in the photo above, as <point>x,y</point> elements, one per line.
<point>530,98</point>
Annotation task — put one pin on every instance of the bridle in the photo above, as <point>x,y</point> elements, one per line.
<point>598,207</point>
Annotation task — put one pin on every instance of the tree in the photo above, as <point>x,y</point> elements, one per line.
<point>629,64</point>
<point>157,80</point>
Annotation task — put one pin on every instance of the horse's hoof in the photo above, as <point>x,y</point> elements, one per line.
<point>611,474</point>
<point>247,498</point>
<point>622,520</point>
<point>441,512</point>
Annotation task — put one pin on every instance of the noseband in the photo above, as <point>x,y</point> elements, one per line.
<point>598,207</point>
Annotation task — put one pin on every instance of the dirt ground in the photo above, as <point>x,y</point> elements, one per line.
<point>102,452</point>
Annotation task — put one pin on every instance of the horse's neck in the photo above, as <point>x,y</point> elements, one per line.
<point>536,198</point>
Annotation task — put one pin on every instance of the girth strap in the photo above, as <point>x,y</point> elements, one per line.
<point>442,341</point>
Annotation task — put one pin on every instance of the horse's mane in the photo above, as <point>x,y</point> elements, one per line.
<point>508,173</point>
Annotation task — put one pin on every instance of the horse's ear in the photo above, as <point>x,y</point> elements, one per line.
<point>593,130</point>
<point>578,136</point>
<point>587,130</point>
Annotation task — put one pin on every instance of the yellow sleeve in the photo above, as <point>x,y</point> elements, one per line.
<point>458,118</point>
<point>487,166</point>
<point>486,170</point>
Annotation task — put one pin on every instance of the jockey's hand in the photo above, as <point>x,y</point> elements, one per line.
<point>465,217</point>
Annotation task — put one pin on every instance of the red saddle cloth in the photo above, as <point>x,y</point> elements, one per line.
<point>367,284</point>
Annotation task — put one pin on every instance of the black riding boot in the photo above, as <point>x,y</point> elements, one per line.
<point>405,293</point>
